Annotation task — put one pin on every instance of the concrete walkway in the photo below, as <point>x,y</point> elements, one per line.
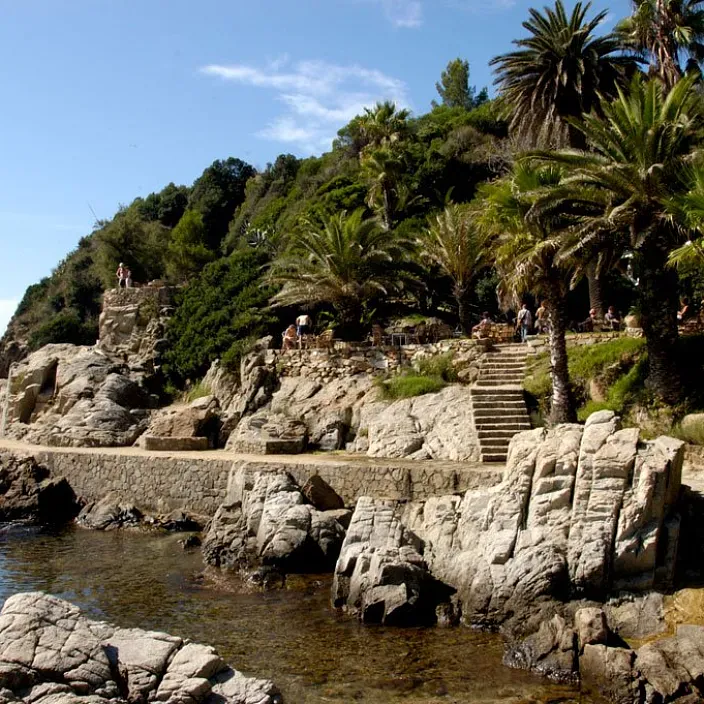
<point>308,459</point>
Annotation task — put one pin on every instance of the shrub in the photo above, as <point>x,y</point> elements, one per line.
<point>439,365</point>
<point>197,391</point>
<point>65,326</point>
<point>410,385</point>
<point>693,433</point>
<point>219,309</point>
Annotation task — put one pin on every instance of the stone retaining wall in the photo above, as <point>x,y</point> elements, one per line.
<point>198,484</point>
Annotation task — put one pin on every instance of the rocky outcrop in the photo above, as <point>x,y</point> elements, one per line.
<point>27,492</point>
<point>65,395</point>
<point>582,511</point>
<point>197,419</point>
<point>50,653</point>
<point>266,520</point>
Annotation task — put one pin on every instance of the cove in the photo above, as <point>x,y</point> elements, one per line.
<point>291,636</point>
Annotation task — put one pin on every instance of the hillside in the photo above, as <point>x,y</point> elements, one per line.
<point>199,234</point>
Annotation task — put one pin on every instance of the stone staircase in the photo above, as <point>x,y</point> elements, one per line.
<point>497,398</point>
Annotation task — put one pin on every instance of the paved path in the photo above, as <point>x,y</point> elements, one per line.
<point>327,458</point>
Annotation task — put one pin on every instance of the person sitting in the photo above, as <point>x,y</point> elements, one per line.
<point>591,323</point>
<point>612,319</point>
<point>685,312</point>
<point>290,338</point>
<point>481,328</point>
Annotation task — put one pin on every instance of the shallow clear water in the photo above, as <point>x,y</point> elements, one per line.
<point>291,636</point>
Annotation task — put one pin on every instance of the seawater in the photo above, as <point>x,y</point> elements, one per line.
<point>290,635</point>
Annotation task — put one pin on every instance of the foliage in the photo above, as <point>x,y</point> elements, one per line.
<point>439,365</point>
<point>198,390</point>
<point>558,72</point>
<point>65,326</point>
<point>693,433</point>
<point>224,304</point>
<point>409,385</point>
<point>347,261</point>
<point>454,88</point>
<point>187,253</point>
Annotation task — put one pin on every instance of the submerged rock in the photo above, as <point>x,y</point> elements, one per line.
<point>51,654</point>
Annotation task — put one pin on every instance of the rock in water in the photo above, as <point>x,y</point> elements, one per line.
<point>266,519</point>
<point>27,492</point>
<point>582,510</point>
<point>51,654</point>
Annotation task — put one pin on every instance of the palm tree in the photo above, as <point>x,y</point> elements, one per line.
<point>383,124</point>
<point>347,262</point>
<point>525,243</point>
<point>663,31</point>
<point>382,167</point>
<point>453,243</point>
<point>559,73</point>
<point>633,183</point>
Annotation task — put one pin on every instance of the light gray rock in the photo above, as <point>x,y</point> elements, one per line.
<point>268,433</point>
<point>440,424</point>
<point>199,418</point>
<point>572,499</point>
<point>265,519</point>
<point>609,672</point>
<point>591,627</point>
<point>109,514</point>
<point>51,653</point>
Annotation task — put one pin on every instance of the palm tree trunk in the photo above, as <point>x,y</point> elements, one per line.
<point>596,294</point>
<point>562,408</point>
<point>658,313</point>
<point>462,298</point>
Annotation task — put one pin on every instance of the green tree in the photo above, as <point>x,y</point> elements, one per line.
<point>216,195</point>
<point>378,126</point>
<point>347,262</point>
<point>633,183</point>
<point>217,311</point>
<point>454,88</point>
<point>187,253</point>
<point>557,74</point>
<point>453,243</point>
<point>382,168</point>
<point>664,31</point>
<point>525,242</point>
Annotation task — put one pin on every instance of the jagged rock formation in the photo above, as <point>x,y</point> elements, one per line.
<point>27,492</point>
<point>582,511</point>
<point>195,423</point>
<point>51,654</point>
<point>76,396</point>
<point>266,519</point>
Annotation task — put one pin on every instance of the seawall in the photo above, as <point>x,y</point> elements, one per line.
<point>197,482</point>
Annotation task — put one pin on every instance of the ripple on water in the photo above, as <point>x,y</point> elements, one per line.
<point>291,636</point>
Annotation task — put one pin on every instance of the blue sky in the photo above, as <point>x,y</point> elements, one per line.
<point>105,100</point>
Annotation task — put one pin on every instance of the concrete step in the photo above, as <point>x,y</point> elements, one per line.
<point>518,404</point>
<point>487,393</point>
<point>498,382</point>
<point>496,367</point>
<point>499,450</point>
<point>499,413</point>
<point>514,427</point>
<point>505,378</point>
<point>495,457</point>
<point>494,433</point>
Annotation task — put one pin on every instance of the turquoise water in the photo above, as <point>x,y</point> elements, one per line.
<point>291,636</point>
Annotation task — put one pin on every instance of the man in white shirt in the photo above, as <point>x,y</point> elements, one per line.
<point>524,321</point>
<point>303,324</point>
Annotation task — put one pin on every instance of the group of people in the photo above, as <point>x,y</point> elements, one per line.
<point>124,276</point>
<point>610,321</point>
<point>294,334</point>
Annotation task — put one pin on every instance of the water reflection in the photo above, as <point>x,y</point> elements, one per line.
<point>291,636</point>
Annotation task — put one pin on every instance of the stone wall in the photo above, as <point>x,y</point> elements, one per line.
<point>198,484</point>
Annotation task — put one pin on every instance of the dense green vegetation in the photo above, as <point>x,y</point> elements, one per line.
<point>586,167</point>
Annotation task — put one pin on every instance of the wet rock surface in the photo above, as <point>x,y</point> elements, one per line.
<point>27,492</point>
<point>51,653</point>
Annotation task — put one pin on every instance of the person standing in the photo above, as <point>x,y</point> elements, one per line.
<point>128,277</point>
<point>121,274</point>
<point>303,324</point>
<point>541,318</point>
<point>524,322</point>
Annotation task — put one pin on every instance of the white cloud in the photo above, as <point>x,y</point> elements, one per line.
<point>7,309</point>
<point>319,97</point>
<point>405,14</point>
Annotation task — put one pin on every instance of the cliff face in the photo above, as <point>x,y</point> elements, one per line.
<point>93,396</point>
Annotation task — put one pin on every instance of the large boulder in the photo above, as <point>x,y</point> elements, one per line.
<point>266,520</point>
<point>575,503</point>
<point>28,492</point>
<point>266,433</point>
<point>432,426</point>
<point>51,653</point>
<point>65,395</point>
<point>197,419</point>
